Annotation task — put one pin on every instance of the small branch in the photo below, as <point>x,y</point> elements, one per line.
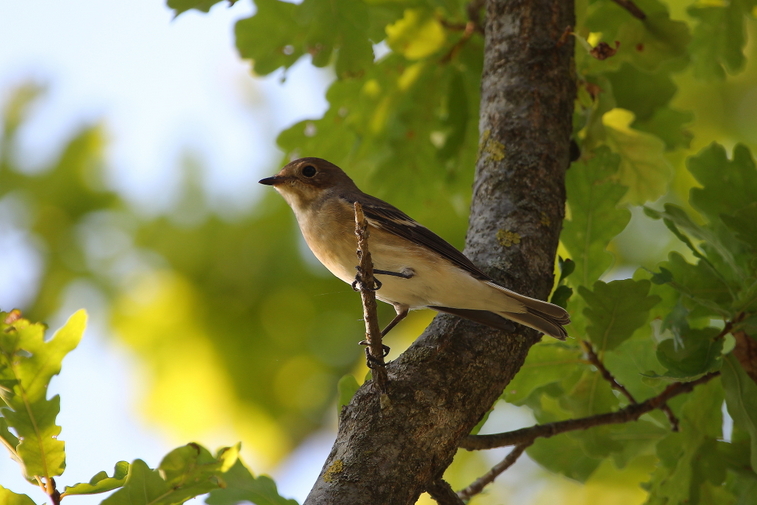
<point>486,479</point>
<point>366,283</point>
<point>606,375</point>
<point>468,30</point>
<point>630,413</point>
<point>442,492</point>
<point>632,8</point>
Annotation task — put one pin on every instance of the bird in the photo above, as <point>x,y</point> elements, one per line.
<point>415,268</point>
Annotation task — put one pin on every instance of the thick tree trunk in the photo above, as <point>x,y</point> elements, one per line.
<point>389,451</point>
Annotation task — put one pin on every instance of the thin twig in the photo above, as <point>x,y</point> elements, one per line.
<point>594,360</point>
<point>606,375</point>
<point>630,413</point>
<point>479,484</point>
<point>366,282</point>
<point>632,8</point>
<point>442,492</point>
<point>468,31</point>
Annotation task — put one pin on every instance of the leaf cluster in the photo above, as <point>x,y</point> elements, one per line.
<point>28,430</point>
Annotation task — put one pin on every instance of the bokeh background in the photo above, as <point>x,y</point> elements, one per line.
<point>130,150</point>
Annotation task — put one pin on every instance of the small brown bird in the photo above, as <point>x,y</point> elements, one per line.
<point>416,268</point>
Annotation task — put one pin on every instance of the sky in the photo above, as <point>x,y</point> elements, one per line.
<point>162,87</point>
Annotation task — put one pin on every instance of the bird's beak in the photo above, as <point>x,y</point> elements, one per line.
<point>271,181</point>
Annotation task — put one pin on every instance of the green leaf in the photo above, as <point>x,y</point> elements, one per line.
<point>347,387</point>
<point>417,35</point>
<point>741,400</point>
<point>675,217</point>
<point>270,38</point>
<point>242,486</point>
<point>593,196</point>
<point>690,458</point>
<point>546,363</point>
<point>640,92</point>
<point>616,310</point>
<point>647,44</point>
<point>643,167</point>
<point>706,293</point>
<point>143,486</point>
<point>563,455</point>
<point>719,39</point>
<point>281,32</point>
<point>561,296</point>
<point>8,497</point>
<point>744,224</point>
<point>27,364</point>
<point>729,185</point>
<point>697,354</point>
<point>567,267</point>
<point>185,472</point>
<point>101,483</point>
<point>669,125</point>
<point>184,5</point>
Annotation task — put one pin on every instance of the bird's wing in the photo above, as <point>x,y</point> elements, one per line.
<point>389,218</point>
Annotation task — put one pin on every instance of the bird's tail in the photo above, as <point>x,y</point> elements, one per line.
<point>545,317</point>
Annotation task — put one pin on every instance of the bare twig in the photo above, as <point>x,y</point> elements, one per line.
<point>468,30</point>
<point>630,413</point>
<point>606,375</point>
<point>366,283</point>
<point>486,479</point>
<point>442,492</point>
<point>632,8</point>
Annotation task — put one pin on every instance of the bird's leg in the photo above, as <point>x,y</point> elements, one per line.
<point>401,314</point>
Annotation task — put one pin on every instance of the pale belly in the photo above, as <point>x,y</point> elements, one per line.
<point>434,280</point>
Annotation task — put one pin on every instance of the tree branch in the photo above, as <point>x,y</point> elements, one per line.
<point>632,8</point>
<point>442,492</point>
<point>486,479</point>
<point>367,284</point>
<point>624,415</point>
<point>594,360</point>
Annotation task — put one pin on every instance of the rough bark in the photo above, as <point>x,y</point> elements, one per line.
<point>390,448</point>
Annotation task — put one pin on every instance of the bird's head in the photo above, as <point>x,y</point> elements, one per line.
<point>307,180</point>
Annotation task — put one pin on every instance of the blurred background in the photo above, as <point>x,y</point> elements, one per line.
<point>131,147</point>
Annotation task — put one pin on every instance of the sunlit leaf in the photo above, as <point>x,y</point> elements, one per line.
<point>8,497</point>
<point>27,364</point>
<point>242,486</point>
<point>100,482</point>
<point>186,472</point>
<point>643,168</point>
<point>417,35</point>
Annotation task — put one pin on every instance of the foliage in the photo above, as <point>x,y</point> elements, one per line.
<point>29,432</point>
<point>660,230</point>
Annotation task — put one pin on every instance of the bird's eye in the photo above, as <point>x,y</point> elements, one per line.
<point>308,171</point>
